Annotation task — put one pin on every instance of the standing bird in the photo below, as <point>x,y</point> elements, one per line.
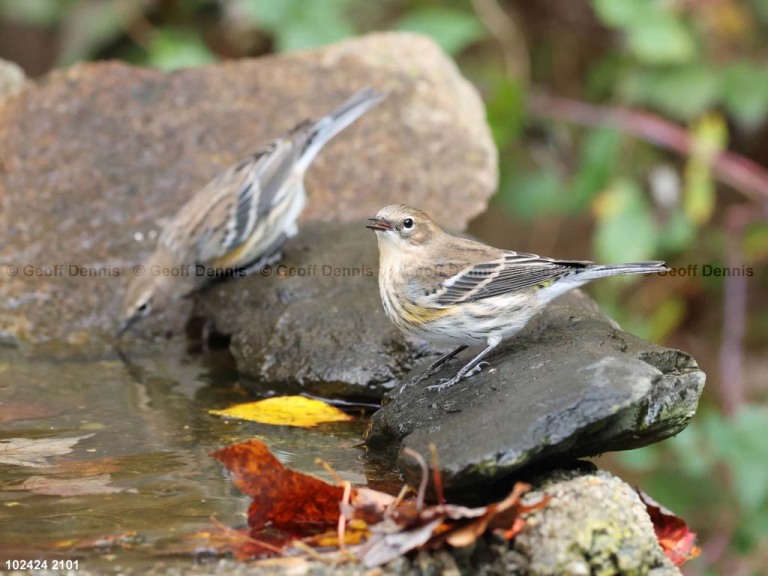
<point>240,219</point>
<point>451,290</point>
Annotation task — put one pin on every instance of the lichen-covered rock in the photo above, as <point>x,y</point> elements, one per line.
<point>592,524</point>
<point>571,384</point>
<point>97,156</point>
<point>315,319</point>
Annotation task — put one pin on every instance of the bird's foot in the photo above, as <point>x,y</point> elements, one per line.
<point>445,383</point>
<point>477,368</point>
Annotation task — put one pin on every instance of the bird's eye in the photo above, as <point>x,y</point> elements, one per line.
<point>408,223</point>
<point>144,308</point>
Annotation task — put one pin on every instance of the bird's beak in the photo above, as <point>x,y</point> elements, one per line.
<point>125,325</point>
<point>379,225</point>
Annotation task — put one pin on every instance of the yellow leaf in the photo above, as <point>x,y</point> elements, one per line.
<point>286,411</point>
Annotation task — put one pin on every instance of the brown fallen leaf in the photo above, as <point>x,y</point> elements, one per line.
<point>282,498</point>
<point>50,486</point>
<point>675,538</point>
<point>300,512</point>
<point>33,453</point>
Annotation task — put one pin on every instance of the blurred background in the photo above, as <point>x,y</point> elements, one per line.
<point>627,130</point>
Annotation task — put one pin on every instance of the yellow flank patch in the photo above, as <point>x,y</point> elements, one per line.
<point>285,411</point>
<point>236,257</point>
<point>417,315</point>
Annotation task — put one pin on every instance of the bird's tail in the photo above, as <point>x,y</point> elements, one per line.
<point>327,127</point>
<point>600,271</point>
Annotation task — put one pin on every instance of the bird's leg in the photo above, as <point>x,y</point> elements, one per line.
<point>470,368</point>
<point>437,363</point>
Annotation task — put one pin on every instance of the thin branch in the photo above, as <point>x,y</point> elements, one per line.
<point>742,174</point>
<point>734,311</point>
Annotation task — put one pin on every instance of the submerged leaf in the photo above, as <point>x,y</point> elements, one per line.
<point>282,498</point>
<point>286,411</point>
<point>68,486</point>
<point>33,453</point>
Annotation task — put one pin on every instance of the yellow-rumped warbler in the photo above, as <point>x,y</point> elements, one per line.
<point>240,219</point>
<point>451,290</point>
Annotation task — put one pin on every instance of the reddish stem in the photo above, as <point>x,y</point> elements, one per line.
<point>744,175</point>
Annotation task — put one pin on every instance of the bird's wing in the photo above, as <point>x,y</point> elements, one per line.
<point>228,210</point>
<point>508,272</point>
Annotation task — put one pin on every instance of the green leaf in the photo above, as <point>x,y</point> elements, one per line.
<point>453,30</point>
<point>620,13</point>
<point>300,24</point>
<point>740,443</point>
<point>666,318</point>
<point>661,39</point>
<point>598,158</point>
<point>682,92</point>
<point>626,228</point>
<point>267,14</point>
<point>655,34</point>
<point>745,92</point>
<point>677,233</point>
<point>171,49</point>
<point>505,111</point>
<point>530,195</point>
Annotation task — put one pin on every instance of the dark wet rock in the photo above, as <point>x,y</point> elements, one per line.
<point>315,319</point>
<point>97,156</point>
<point>571,384</point>
<point>592,524</point>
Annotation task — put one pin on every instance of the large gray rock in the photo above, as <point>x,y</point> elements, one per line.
<point>97,156</point>
<point>571,384</point>
<point>315,319</point>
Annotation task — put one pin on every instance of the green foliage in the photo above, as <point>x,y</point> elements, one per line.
<point>688,470</point>
<point>171,49</point>
<point>505,110</point>
<point>682,92</point>
<point>42,13</point>
<point>669,67</point>
<point>654,33</point>
<point>299,24</point>
<point>452,29</point>
<point>745,92</point>
<point>626,227</point>
<point>599,155</point>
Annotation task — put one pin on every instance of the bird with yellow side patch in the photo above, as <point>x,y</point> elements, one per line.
<point>240,219</point>
<point>452,290</point>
